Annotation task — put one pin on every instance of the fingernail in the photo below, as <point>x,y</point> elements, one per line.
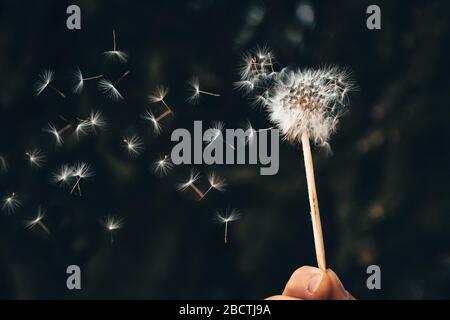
<point>314,282</point>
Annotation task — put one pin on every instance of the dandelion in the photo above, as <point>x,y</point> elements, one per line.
<point>194,86</point>
<point>133,145</point>
<point>79,85</point>
<point>37,221</point>
<point>35,157</point>
<point>190,183</point>
<point>82,128</point>
<point>96,121</point>
<point>162,166</point>
<point>227,217</point>
<point>158,96</point>
<point>305,105</point>
<point>44,81</point>
<point>3,164</point>
<point>63,175</point>
<point>79,172</point>
<point>114,53</point>
<point>11,203</point>
<point>215,133</point>
<point>111,225</point>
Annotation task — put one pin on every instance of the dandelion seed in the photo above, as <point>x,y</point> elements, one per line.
<point>107,88</point>
<point>162,166</point>
<point>158,94</point>
<point>44,81</point>
<point>11,203</point>
<point>63,175</point>
<point>190,183</point>
<point>227,217</point>
<point>126,73</point>
<point>96,121</point>
<point>82,128</point>
<point>114,53</point>
<point>37,221</point>
<point>79,172</point>
<point>79,85</point>
<point>155,121</point>
<point>133,145</point>
<point>215,133</point>
<point>194,86</point>
<point>216,183</point>
<point>111,225</point>
<point>35,157</point>
<point>3,164</point>
<point>57,134</point>
<point>251,133</point>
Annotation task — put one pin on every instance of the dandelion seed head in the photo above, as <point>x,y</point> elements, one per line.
<point>134,145</point>
<point>35,157</point>
<point>228,216</point>
<point>158,94</point>
<point>45,78</point>
<point>193,177</point>
<point>216,182</point>
<point>308,101</point>
<point>107,87</point>
<point>162,166</point>
<point>10,203</point>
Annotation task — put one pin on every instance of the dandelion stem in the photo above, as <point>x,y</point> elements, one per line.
<point>313,203</point>
<point>225,240</point>
<point>65,128</point>
<point>163,115</point>
<point>43,226</point>
<point>197,191</point>
<point>209,93</point>
<point>57,91</point>
<point>121,77</point>
<point>93,77</point>
<point>166,105</point>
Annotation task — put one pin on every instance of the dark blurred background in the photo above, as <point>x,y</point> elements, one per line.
<point>383,194</point>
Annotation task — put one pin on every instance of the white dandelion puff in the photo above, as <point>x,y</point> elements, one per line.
<point>57,134</point>
<point>111,225</point>
<point>114,53</point>
<point>44,81</point>
<point>38,221</point>
<point>158,94</point>
<point>35,157</point>
<point>162,166</point>
<point>82,128</point>
<point>11,203</point>
<point>107,87</point>
<point>80,171</point>
<point>227,217</point>
<point>80,79</point>
<point>96,121</point>
<point>194,87</point>
<point>134,145</point>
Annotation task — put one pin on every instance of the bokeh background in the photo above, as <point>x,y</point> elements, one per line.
<point>383,194</point>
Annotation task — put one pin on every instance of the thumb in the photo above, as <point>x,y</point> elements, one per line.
<point>311,283</point>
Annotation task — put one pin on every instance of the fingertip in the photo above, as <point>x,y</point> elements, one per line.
<point>337,288</point>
